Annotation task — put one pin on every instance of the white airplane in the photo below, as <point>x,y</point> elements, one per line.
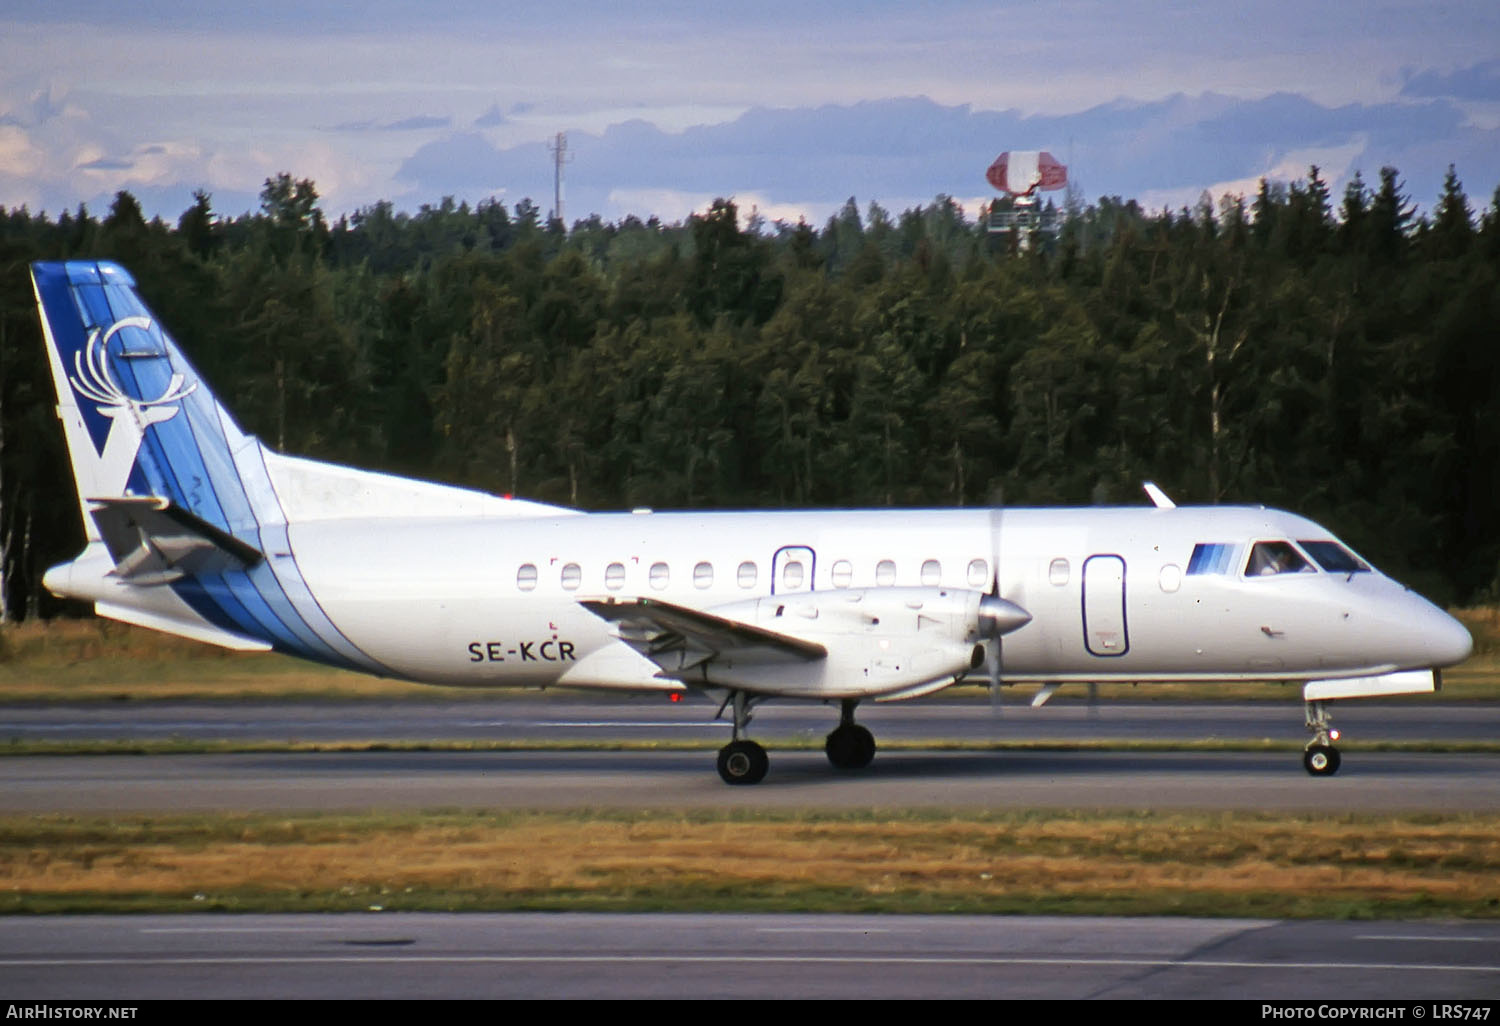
<point>199,530</point>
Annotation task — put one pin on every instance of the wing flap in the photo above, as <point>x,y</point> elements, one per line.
<point>679,639</point>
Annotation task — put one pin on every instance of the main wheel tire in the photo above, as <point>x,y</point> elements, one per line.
<point>743,762</point>
<point>850,747</point>
<point>1321,760</point>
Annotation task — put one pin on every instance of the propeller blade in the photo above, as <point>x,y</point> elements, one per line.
<point>993,614</point>
<point>992,663</point>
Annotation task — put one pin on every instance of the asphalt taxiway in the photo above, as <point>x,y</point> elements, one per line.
<point>800,776</point>
<point>1369,781</point>
<point>517,955</point>
<point>406,955</point>
<point>581,716</point>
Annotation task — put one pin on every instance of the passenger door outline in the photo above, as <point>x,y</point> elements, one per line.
<point>1106,632</point>
<point>788,554</point>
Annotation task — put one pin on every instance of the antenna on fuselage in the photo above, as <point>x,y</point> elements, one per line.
<point>1158,497</point>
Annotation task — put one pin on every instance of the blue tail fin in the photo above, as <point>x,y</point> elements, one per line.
<point>178,503</point>
<point>118,374</point>
<point>189,519</point>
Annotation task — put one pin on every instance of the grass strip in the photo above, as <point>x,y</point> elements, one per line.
<point>194,746</point>
<point>1036,861</point>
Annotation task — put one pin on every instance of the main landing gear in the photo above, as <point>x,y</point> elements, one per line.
<point>849,746</point>
<point>742,761</point>
<point>1320,759</point>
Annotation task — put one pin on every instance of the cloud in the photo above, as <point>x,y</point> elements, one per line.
<point>413,124</point>
<point>19,156</point>
<point>673,205</point>
<point>417,124</point>
<point>1334,163</point>
<point>1476,82</point>
<point>107,164</point>
<point>492,118</point>
<point>36,107</point>
<point>903,152</point>
<point>463,165</point>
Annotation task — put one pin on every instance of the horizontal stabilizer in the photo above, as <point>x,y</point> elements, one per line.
<point>677,638</point>
<point>154,542</point>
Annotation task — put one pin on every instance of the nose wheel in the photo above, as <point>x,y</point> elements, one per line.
<point>1321,759</point>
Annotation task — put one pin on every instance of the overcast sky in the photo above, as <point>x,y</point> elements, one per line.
<point>788,107</point>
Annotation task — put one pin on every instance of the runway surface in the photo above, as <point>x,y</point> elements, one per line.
<point>383,955</point>
<point>798,779</point>
<point>579,716</point>
<point>1369,781</point>
<point>741,956</point>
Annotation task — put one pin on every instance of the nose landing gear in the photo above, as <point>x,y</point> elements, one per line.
<point>1320,759</point>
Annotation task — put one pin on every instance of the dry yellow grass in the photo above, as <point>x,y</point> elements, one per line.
<point>102,659</point>
<point>1200,862</point>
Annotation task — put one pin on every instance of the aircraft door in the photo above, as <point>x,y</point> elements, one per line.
<point>1105,631</point>
<point>792,570</point>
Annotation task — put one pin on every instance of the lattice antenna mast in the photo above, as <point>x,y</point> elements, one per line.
<point>560,156</point>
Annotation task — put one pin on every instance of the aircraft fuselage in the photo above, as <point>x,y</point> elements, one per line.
<point>496,602</point>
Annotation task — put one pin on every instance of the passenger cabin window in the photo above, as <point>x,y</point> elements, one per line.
<point>1210,558</point>
<point>660,576</point>
<point>526,577</point>
<point>932,573</point>
<point>885,573</point>
<point>703,575</point>
<point>571,576</point>
<point>791,574</point>
<point>614,576</point>
<point>747,574</point>
<point>979,573</point>
<point>1058,572</point>
<point>1334,558</point>
<point>843,573</point>
<point>1269,558</point>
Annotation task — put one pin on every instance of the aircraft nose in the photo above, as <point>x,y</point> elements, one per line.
<point>1448,641</point>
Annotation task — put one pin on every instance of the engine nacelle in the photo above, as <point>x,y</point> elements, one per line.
<point>879,640</point>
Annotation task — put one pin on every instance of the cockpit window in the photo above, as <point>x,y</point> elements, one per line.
<point>1211,558</point>
<point>1333,557</point>
<point>1276,557</point>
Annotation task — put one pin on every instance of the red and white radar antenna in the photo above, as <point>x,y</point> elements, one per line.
<point>1026,172</point>
<point>1020,175</point>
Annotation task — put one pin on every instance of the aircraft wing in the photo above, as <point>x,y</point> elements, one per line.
<point>154,542</point>
<point>677,638</point>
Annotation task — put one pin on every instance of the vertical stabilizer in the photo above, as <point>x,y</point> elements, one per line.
<point>137,417</point>
<point>185,528</point>
<point>189,519</point>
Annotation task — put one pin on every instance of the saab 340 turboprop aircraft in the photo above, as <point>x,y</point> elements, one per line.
<point>197,529</point>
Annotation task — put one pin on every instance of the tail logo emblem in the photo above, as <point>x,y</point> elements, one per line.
<point>129,417</point>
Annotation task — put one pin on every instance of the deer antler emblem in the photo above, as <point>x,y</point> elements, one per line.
<point>95,380</point>
<point>130,417</point>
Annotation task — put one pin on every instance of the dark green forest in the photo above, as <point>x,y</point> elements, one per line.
<point>1337,356</point>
